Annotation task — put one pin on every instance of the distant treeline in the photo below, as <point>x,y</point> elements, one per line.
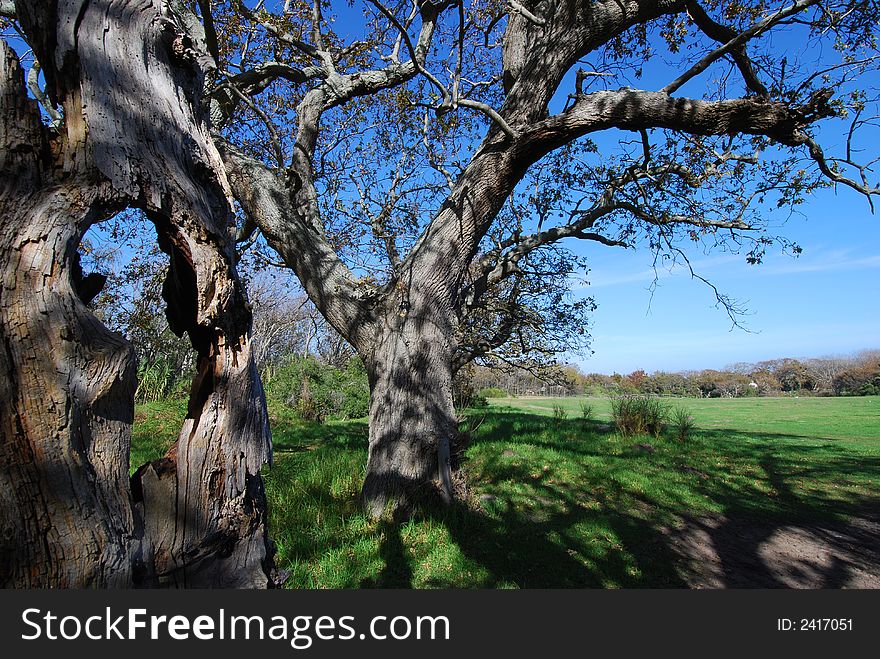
<point>856,375</point>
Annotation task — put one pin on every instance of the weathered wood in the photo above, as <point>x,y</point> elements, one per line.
<point>134,134</point>
<point>66,382</point>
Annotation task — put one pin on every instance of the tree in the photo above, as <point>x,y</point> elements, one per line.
<point>823,370</point>
<point>401,195</point>
<point>862,378</point>
<point>126,129</point>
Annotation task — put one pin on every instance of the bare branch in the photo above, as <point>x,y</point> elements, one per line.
<point>818,155</point>
<point>738,42</point>
<point>723,34</point>
<point>317,19</point>
<point>417,55</point>
<point>490,112</point>
<point>432,158</point>
<point>33,81</point>
<point>210,31</point>
<point>273,133</point>
<point>252,82</point>
<point>283,37</point>
<point>525,13</point>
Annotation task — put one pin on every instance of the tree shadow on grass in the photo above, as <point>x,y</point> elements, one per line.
<point>538,532</point>
<point>533,548</point>
<point>290,435</point>
<point>804,542</point>
<point>397,572</point>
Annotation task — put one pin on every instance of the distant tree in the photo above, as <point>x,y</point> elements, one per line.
<point>862,379</point>
<point>793,375</point>
<point>766,381</point>
<point>823,370</point>
<point>637,379</point>
<point>670,384</point>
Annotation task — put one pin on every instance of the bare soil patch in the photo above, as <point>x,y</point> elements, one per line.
<point>729,552</point>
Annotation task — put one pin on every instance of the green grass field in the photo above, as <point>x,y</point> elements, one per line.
<point>558,502</point>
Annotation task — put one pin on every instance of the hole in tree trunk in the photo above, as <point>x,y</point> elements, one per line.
<point>122,273</point>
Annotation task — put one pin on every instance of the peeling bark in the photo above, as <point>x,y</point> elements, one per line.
<point>134,134</point>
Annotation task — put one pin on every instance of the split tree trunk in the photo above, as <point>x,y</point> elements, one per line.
<point>134,134</point>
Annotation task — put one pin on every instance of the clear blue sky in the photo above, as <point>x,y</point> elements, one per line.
<point>823,302</point>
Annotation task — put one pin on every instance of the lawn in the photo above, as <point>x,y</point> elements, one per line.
<point>558,502</point>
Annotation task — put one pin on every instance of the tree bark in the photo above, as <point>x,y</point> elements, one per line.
<point>66,382</point>
<point>134,134</point>
<point>414,442</point>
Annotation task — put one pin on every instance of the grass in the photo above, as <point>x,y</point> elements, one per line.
<point>156,425</point>
<point>569,503</point>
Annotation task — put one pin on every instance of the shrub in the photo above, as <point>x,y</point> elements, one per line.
<point>320,391</point>
<point>639,415</point>
<point>683,423</point>
<point>478,402</point>
<point>492,392</point>
<point>559,413</point>
<point>587,412</point>
<point>308,408</point>
<point>464,396</point>
<point>158,380</point>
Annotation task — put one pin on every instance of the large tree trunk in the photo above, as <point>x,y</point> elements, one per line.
<point>133,134</point>
<point>414,445</point>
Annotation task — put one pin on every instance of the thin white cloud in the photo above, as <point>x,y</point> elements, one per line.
<point>599,278</point>
<point>817,262</point>
<point>833,262</point>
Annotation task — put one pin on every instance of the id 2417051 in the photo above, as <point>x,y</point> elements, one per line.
<point>814,624</point>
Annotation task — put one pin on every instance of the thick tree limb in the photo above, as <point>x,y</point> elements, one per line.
<point>268,201</point>
<point>33,82</point>
<point>536,59</point>
<point>228,94</point>
<point>632,109</point>
<point>210,32</point>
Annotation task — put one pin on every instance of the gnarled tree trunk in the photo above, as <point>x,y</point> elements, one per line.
<point>129,81</point>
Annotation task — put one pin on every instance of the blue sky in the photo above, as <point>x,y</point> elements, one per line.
<point>823,302</point>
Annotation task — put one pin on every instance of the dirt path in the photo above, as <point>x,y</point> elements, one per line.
<point>737,553</point>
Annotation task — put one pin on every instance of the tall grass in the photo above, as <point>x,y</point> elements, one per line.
<point>154,381</point>
<point>639,415</point>
<point>560,414</point>
<point>588,412</point>
<point>682,423</point>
